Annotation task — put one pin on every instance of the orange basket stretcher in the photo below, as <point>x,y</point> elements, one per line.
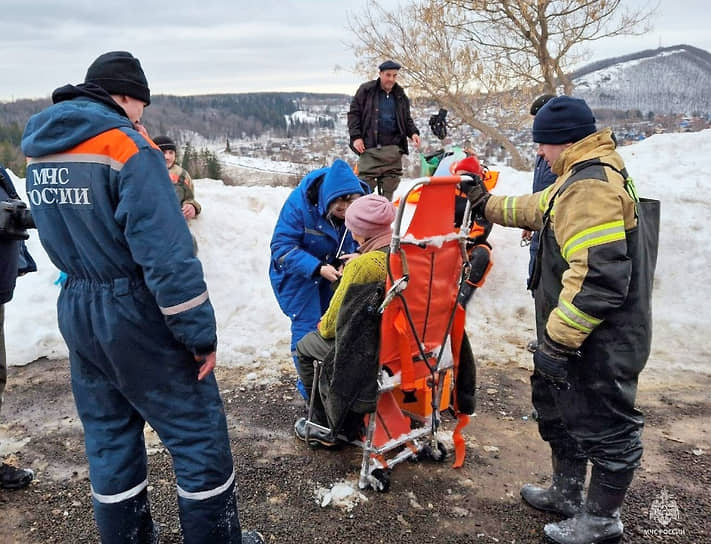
<point>421,331</point>
<point>421,334</point>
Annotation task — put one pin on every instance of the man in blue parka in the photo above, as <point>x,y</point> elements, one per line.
<point>134,310</point>
<point>309,240</point>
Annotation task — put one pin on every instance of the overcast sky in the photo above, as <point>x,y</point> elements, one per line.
<point>191,47</point>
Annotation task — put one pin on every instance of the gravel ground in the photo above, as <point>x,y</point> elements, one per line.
<point>282,482</point>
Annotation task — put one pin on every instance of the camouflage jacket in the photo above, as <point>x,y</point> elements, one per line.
<point>183,185</point>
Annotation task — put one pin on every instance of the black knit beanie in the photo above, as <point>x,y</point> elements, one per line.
<point>563,119</point>
<point>164,143</point>
<point>119,72</point>
<point>539,102</point>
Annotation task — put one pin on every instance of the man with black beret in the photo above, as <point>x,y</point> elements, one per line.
<point>134,310</point>
<point>593,283</point>
<point>379,124</point>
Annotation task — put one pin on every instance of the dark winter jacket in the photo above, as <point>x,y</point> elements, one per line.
<point>305,238</point>
<point>100,197</point>
<point>542,178</point>
<point>363,115</point>
<point>348,381</point>
<point>9,249</point>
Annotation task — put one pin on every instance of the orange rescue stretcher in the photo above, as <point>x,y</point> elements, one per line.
<point>421,333</point>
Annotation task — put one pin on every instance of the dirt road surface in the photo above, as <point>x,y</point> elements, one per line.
<point>296,494</point>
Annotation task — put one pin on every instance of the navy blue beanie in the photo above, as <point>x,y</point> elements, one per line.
<point>563,119</point>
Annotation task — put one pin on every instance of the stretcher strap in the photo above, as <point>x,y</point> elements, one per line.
<point>406,366</point>
<point>459,445</point>
<point>457,335</point>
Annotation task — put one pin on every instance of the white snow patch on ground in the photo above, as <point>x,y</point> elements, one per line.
<point>344,495</point>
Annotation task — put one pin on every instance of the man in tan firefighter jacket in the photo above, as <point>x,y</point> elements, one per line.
<point>593,278</point>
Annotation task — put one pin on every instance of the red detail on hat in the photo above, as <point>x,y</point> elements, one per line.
<point>469,164</point>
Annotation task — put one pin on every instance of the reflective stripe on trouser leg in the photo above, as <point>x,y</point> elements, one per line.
<point>194,429</point>
<point>210,516</point>
<point>124,522</point>
<point>117,473</point>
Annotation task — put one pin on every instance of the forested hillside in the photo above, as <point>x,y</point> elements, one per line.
<point>211,117</point>
<point>220,116</point>
<point>668,80</point>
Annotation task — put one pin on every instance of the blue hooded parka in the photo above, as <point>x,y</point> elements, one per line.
<point>305,238</point>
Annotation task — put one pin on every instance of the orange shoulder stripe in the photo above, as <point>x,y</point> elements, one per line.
<point>113,144</point>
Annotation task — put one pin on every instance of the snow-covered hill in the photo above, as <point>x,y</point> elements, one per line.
<point>235,228</point>
<point>663,81</point>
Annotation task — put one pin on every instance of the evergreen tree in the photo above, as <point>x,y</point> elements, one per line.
<point>214,170</point>
<point>188,158</point>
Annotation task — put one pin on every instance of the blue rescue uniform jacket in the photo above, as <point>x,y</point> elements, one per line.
<point>101,196</point>
<point>305,238</point>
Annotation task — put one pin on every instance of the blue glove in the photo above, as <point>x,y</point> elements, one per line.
<point>551,361</point>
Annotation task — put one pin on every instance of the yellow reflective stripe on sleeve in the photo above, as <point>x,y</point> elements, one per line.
<point>543,201</point>
<point>594,236</point>
<point>575,317</point>
<point>509,211</point>
<point>505,210</point>
<point>185,306</point>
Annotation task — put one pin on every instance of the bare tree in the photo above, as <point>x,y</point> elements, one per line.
<point>485,60</point>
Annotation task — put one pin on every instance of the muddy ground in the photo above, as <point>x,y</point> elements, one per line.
<point>282,482</point>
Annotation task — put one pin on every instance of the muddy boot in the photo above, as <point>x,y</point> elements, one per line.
<point>252,537</point>
<point>15,478</point>
<point>600,519</point>
<point>565,495</point>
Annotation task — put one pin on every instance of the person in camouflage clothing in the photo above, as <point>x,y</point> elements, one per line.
<point>182,182</point>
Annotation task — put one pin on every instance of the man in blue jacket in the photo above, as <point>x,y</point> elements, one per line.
<point>134,310</point>
<point>14,219</point>
<point>309,241</point>
<point>542,178</point>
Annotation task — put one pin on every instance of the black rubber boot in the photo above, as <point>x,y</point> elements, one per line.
<point>565,495</point>
<point>600,519</point>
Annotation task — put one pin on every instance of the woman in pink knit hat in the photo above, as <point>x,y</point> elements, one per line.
<point>369,220</point>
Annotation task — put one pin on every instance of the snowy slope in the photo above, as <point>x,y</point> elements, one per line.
<point>668,80</point>
<point>236,226</point>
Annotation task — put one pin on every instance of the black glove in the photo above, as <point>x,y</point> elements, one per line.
<point>476,194</point>
<point>551,361</point>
